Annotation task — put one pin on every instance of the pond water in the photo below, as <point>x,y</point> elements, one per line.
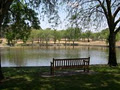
<point>42,56</point>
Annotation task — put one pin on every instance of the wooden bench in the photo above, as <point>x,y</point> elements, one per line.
<point>82,63</point>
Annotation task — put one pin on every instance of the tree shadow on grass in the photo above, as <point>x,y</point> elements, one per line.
<point>30,79</point>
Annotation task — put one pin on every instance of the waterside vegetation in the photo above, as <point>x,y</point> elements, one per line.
<point>48,37</point>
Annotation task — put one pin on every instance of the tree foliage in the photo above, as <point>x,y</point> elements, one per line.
<point>18,21</point>
<point>73,33</point>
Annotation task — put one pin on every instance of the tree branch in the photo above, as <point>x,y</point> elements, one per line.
<point>97,10</point>
<point>109,8</point>
<point>117,30</point>
<point>117,21</point>
<point>113,3</point>
<point>116,12</point>
<point>104,9</point>
<point>4,6</point>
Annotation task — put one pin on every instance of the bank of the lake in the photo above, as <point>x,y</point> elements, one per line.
<point>62,43</point>
<point>38,78</point>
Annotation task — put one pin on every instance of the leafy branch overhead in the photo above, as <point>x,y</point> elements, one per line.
<point>19,13</point>
<point>95,12</point>
<point>18,21</point>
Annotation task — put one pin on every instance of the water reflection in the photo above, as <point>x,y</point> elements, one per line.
<point>41,56</point>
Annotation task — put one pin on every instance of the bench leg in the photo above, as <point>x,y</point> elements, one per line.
<point>88,69</point>
<point>52,71</point>
<point>84,69</point>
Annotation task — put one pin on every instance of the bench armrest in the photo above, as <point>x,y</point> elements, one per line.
<point>86,62</point>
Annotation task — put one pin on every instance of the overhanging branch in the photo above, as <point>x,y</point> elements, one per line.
<point>116,12</point>
<point>4,6</point>
<point>117,21</point>
<point>104,9</point>
<point>113,3</point>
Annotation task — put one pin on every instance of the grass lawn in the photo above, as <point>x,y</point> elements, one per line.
<point>103,78</point>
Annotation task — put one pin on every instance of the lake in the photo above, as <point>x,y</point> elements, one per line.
<point>42,56</point>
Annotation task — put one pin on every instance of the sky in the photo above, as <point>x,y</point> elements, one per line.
<point>45,24</point>
<point>62,26</point>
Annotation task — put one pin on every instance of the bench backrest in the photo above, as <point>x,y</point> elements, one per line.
<point>74,62</point>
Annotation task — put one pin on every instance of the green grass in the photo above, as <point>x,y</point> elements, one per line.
<point>103,78</point>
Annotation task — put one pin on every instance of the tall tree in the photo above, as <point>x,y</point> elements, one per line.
<point>16,18</point>
<point>99,12</point>
<point>88,35</point>
<point>47,8</point>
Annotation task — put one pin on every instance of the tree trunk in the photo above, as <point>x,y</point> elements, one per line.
<point>54,41</point>
<point>112,50</point>
<point>73,42</point>
<point>4,6</point>
<point>38,41</point>
<point>65,42</point>
<point>1,74</point>
<point>46,43</point>
<point>88,40</point>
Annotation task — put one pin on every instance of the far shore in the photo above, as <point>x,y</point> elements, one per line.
<point>62,43</point>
